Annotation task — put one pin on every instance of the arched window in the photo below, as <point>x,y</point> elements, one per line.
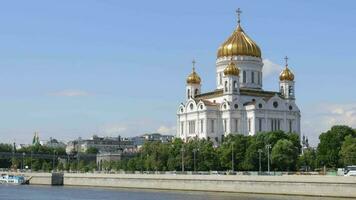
<point>196,91</point>
<point>244,77</point>
<point>225,86</point>
<point>259,78</point>
<point>253,77</point>
<point>282,90</point>
<point>290,91</point>
<point>188,93</point>
<point>235,86</point>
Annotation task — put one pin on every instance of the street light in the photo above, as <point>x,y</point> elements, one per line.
<point>54,154</point>
<point>268,147</point>
<point>259,155</point>
<point>182,152</point>
<point>78,152</point>
<point>31,159</point>
<point>23,157</point>
<point>194,153</point>
<point>232,158</point>
<point>68,164</point>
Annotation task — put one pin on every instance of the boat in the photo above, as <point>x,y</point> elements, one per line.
<point>12,179</point>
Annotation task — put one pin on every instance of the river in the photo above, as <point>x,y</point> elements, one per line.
<point>28,192</point>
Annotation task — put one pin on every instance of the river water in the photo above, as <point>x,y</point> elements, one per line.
<point>28,192</point>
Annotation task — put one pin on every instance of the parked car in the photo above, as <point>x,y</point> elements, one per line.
<point>350,170</point>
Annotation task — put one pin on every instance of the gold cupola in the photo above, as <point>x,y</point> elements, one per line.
<point>193,77</point>
<point>286,74</point>
<point>231,69</point>
<point>239,44</point>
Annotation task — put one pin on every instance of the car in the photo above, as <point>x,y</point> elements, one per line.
<point>351,173</point>
<point>350,170</point>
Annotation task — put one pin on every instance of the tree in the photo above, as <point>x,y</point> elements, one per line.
<point>284,155</point>
<point>236,145</point>
<point>251,161</point>
<point>307,161</point>
<point>91,150</point>
<point>348,151</point>
<point>330,145</point>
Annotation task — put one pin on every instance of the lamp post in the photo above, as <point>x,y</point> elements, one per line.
<point>182,152</point>
<point>31,158</point>
<point>78,152</point>
<point>232,158</point>
<point>268,147</point>
<point>68,164</point>
<point>141,162</point>
<point>194,153</point>
<point>259,156</point>
<point>53,161</point>
<point>23,157</point>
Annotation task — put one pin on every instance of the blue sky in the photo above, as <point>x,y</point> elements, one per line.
<point>75,68</point>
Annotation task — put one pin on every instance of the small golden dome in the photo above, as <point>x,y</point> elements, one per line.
<point>239,44</point>
<point>193,78</point>
<point>231,69</point>
<point>286,75</point>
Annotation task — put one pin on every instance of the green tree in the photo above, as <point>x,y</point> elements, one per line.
<point>348,151</point>
<point>330,145</point>
<point>46,166</point>
<point>92,150</point>
<point>284,155</point>
<point>233,145</point>
<point>60,166</point>
<point>251,161</point>
<point>307,160</point>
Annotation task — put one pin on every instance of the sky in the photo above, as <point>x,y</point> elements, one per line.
<point>72,69</point>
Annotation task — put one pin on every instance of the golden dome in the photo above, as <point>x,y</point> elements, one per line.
<point>231,69</point>
<point>193,78</point>
<point>286,75</point>
<point>239,44</point>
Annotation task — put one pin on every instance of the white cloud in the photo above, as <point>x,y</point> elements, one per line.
<point>70,93</point>
<point>322,117</point>
<point>167,130</point>
<point>130,128</point>
<point>270,68</point>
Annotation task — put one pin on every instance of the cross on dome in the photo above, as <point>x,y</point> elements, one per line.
<point>193,62</point>
<point>286,59</point>
<point>238,11</point>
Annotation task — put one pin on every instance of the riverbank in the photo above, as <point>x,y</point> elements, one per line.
<point>324,186</point>
<point>36,192</point>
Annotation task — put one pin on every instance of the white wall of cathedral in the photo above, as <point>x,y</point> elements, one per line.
<point>250,71</point>
<point>232,117</point>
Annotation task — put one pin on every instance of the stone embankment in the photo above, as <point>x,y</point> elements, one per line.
<point>326,186</point>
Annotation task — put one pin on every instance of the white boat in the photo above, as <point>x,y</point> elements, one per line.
<point>12,179</point>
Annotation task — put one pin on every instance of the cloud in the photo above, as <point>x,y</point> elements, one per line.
<point>270,68</point>
<point>167,130</point>
<point>136,127</point>
<point>70,93</point>
<point>320,118</point>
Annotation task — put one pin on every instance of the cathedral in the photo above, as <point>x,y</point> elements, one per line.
<point>238,105</point>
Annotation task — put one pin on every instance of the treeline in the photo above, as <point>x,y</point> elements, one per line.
<point>31,157</point>
<point>237,152</point>
<point>337,148</point>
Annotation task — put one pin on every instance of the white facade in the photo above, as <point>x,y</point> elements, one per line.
<point>242,108</point>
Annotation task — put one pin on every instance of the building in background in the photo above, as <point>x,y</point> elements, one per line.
<point>102,144</point>
<point>140,140</point>
<point>53,143</point>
